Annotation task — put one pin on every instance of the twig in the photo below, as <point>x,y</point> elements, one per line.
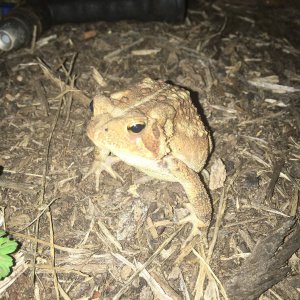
<point>69,101</point>
<point>255,220</point>
<point>66,270</point>
<point>18,186</point>
<point>278,165</point>
<point>261,207</point>
<point>71,81</point>
<point>58,289</point>
<point>245,235</point>
<point>41,95</point>
<point>260,119</point>
<point>44,41</point>
<point>212,273</point>
<point>275,88</point>
<point>111,55</point>
<point>200,47</point>
<point>34,38</point>
<point>109,236</point>
<point>52,254</point>
<point>44,179</point>
<point>157,290</point>
<point>98,77</point>
<point>27,174</point>
<point>86,236</point>
<point>160,279</point>
<point>39,215</point>
<point>147,263</point>
<point>220,214</point>
<point>61,248</point>
<point>78,95</point>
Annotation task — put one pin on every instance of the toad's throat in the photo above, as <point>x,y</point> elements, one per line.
<point>155,168</point>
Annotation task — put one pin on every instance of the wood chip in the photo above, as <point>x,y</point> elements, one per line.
<point>89,34</point>
<point>145,52</point>
<point>217,175</point>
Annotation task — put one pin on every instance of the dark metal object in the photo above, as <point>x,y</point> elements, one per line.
<point>16,29</point>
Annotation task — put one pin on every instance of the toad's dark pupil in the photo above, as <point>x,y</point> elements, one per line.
<point>136,128</point>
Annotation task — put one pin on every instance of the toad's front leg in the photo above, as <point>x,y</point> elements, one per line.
<point>103,162</point>
<point>199,206</point>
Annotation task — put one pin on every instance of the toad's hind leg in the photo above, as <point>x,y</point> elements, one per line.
<point>199,206</point>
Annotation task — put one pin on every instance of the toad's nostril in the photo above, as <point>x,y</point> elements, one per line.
<point>106,129</point>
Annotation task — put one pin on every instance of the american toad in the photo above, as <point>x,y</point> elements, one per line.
<point>154,127</point>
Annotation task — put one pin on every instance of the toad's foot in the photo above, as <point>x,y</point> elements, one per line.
<point>199,226</point>
<point>99,166</point>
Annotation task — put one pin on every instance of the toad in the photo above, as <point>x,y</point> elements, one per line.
<point>154,127</point>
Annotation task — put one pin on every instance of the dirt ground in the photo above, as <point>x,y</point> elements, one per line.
<point>241,61</point>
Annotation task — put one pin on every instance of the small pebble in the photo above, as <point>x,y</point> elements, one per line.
<point>20,78</point>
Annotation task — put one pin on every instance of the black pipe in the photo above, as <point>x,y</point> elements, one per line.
<point>16,29</point>
<point>114,10</point>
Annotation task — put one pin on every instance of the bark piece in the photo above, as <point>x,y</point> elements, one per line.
<point>267,264</point>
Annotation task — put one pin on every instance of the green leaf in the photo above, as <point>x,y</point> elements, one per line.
<point>6,263</point>
<point>2,233</point>
<point>7,246</point>
<point>6,260</point>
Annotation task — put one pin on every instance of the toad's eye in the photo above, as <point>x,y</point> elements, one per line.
<point>136,128</point>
